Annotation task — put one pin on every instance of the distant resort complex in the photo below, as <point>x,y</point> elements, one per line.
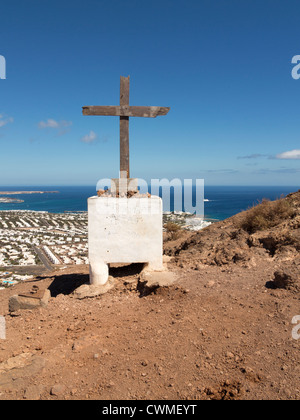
<point>39,238</point>
<point>27,192</point>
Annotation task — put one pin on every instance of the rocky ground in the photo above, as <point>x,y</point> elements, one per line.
<point>223,330</point>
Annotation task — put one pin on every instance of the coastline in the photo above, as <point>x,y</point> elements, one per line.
<point>27,192</point>
<point>10,200</point>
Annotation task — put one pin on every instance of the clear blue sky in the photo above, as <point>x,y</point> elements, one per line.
<point>224,68</point>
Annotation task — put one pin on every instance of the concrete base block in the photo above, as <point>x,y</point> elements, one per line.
<point>17,302</point>
<point>123,230</point>
<point>163,278</point>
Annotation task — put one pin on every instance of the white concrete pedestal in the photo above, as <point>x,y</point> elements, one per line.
<point>123,230</point>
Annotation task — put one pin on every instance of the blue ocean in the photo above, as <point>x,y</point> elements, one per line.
<point>222,202</point>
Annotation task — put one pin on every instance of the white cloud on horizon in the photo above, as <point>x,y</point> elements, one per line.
<point>222,171</point>
<point>253,156</point>
<point>89,138</point>
<point>3,121</point>
<point>50,123</point>
<point>61,127</point>
<point>291,154</point>
<point>282,171</point>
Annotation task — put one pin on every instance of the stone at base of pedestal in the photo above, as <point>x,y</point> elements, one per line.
<point>17,302</point>
<point>92,290</point>
<point>161,278</point>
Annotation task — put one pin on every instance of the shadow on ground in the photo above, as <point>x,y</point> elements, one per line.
<point>126,270</point>
<point>66,283</point>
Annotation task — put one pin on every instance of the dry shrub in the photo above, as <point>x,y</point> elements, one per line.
<point>173,229</point>
<point>266,215</point>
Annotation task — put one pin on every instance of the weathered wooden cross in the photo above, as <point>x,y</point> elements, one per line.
<point>124,111</point>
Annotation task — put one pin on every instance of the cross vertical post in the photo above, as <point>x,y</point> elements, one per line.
<point>124,111</point>
<point>124,129</point>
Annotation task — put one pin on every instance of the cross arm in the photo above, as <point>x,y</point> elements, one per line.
<point>126,111</point>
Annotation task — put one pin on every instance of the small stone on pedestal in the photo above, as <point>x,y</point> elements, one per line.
<point>123,186</point>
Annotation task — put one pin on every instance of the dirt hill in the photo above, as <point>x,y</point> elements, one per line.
<point>269,231</point>
<point>222,331</point>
